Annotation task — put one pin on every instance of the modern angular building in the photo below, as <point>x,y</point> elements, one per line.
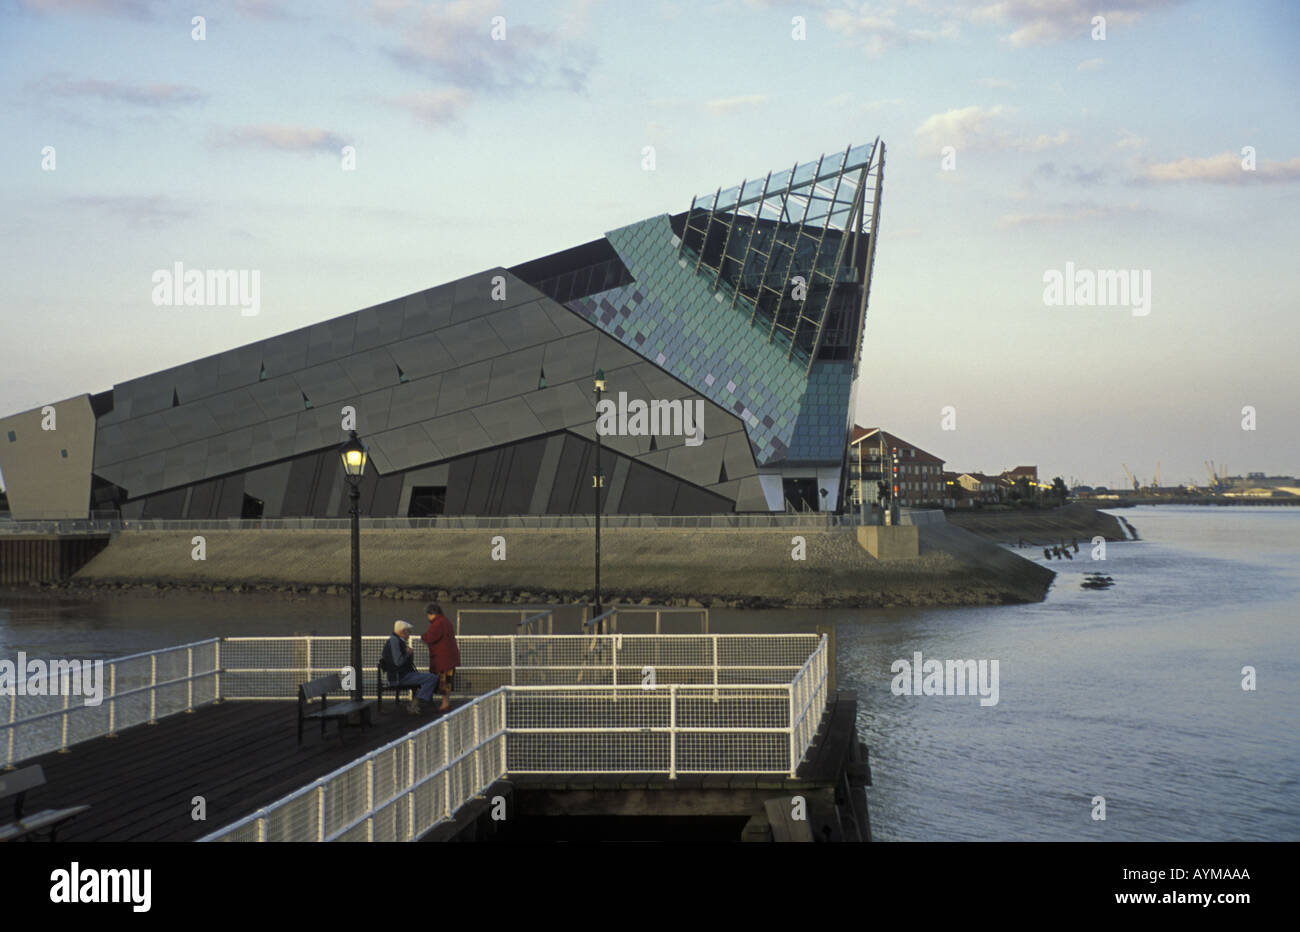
<point>475,397</point>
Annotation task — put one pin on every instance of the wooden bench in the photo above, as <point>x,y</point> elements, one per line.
<point>381,684</point>
<point>17,783</point>
<point>319,688</point>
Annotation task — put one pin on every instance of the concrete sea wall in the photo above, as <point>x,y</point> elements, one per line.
<point>716,567</point>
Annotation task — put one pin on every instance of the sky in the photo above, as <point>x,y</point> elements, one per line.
<point>1018,138</point>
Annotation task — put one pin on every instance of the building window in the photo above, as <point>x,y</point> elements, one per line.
<point>427,501</point>
<point>12,436</point>
<point>64,454</point>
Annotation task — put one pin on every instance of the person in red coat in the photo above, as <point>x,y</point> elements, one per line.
<point>444,655</point>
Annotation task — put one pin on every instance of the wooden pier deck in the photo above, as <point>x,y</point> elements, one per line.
<point>239,756</point>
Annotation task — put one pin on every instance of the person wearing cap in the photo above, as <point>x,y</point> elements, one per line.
<point>399,665</point>
<point>444,655</point>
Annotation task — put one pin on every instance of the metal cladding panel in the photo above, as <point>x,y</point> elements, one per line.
<point>471,341</point>
<point>516,373</point>
<point>571,358</point>
<point>317,428</point>
<point>373,411</point>
<point>281,442</point>
<point>435,311</point>
<point>565,321</point>
<point>268,484</point>
<point>699,465</point>
<point>325,384</point>
<point>464,388</point>
<point>559,406</point>
<point>388,490</point>
<point>523,325</point>
<point>378,326</point>
<point>371,370</point>
<point>408,447</point>
<point>420,356</point>
<point>507,421</point>
<point>820,432</point>
<point>274,397</point>
<point>198,379</point>
<point>297,493</point>
<point>234,409</point>
<point>241,366</point>
<point>751,497</point>
<point>231,503</point>
<point>672,317</point>
<point>456,434</point>
<point>414,401</point>
<point>188,423</point>
<point>738,456</point>
<point>203,499</point>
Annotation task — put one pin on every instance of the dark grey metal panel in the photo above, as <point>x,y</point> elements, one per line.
<point>378,326</point>
<point>241,366</point>
<point>699,465</point>
<point>559,406</point>
<point>471,341</point>
<point>414,401</point>
<point>524,325</point>
<point>571,358</point>
<point>231,503</point>
<point>564,320</point>
<point>269,484</point>
<point>325,384</point>
<point>408,447</point>
<point>515,373</point>
<point>385,501</point>
<point>297,492</point>
<point>203,496</point>
<point>422,356</point>
<point>371,370</point>
<point>372,411</point>
<point>464,387</point>
<point>507,421</point>
<point>457,434</point>
<point>545,479</point>
<point>276,397</point>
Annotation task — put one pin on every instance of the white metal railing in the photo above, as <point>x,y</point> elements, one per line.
<point>138,688</point>
<point>395,793</point>
<point>274,667</point>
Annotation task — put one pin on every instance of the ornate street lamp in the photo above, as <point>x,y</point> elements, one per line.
<point>354,457</point>
<point>596,482</point>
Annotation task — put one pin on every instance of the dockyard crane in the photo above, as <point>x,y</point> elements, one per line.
<point>1133,482</point>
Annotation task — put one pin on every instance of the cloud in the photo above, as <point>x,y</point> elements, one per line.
<point>980,129</point>
<point>877,30</point>
<point>1066,213</point>
<point>1042,22</point>
<point>1130,140</point>
<point>1075,175</point>
<point>143,95</point>
<point>1092,64</point>
<point>156,211</point>
<point>132,9</point>
<point>1220,169</point>
<point>434,108</point>
<point>283,138</point>
<point>996,83</point>
<point>730,104</point>
<point>453,43</point>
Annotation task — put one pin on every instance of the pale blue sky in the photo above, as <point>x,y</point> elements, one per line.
<point>1114,154</point>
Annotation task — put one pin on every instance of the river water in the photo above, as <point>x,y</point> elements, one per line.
<point>1132,693</point>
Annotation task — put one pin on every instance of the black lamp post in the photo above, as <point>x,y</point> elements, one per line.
<point>354,466</point>
<point>596,482</point>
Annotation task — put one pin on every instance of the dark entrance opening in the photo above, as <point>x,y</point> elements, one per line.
<point>427,501</point>
<point>252,508</point>
<point>800,494</point>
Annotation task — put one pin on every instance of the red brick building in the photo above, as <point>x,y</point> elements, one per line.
<point>920,473</point>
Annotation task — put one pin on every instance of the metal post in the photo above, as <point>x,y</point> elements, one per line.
<point>320,812</point>
<point>13,718</point>
<point>512,661</point>
<point>672,732</point>
<point>153,688</point>
<point>478,764</point>
<point>112,699</point>
<point>596,497</point>
<point>370,798</point>
<point>63,740</point>
<point>354,493</point>
<point>714,639</point>
<point>189,679</point>
<point>446,769</point>
<point>217,666</point>
<point>794,764</point>
<point>410,781</point>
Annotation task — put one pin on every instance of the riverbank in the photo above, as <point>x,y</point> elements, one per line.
<point>723,568</point>
<point>1044,527</point>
